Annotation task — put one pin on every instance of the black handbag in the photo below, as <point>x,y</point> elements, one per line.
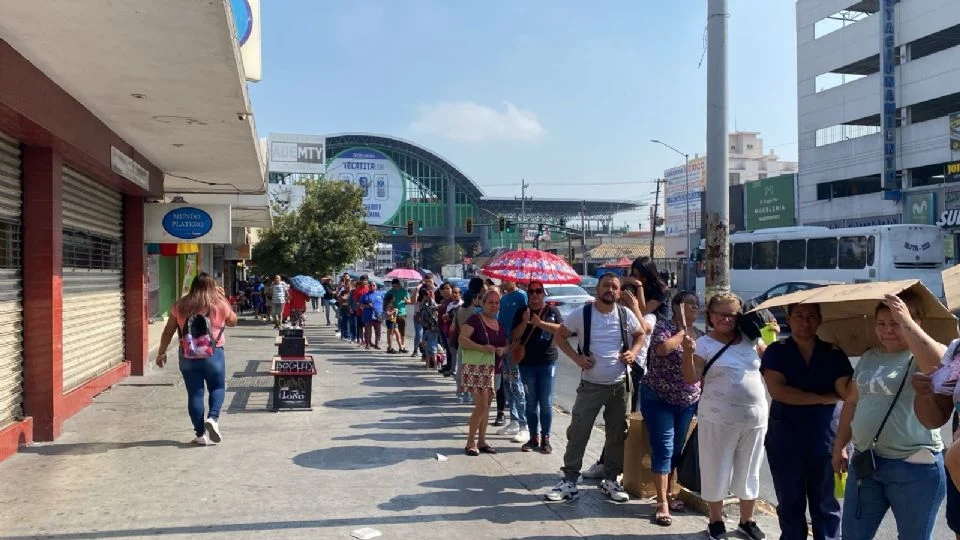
<point>688,468</point>
<point>864,464</point>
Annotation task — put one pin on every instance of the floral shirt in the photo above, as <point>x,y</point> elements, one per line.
<point>664,373</point>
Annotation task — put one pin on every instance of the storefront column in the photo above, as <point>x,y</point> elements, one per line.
<point>43,290</point>
<point>135,291</point>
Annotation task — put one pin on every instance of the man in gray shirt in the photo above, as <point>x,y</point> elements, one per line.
<point>615,339</point>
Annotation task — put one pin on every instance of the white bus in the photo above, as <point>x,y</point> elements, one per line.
<point>762,259</point>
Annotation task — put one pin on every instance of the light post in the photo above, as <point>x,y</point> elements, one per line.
<point>686,197</point>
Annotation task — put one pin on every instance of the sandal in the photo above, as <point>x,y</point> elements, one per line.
<point>471,451</point>
<point>677,505</point>
<point>662,517</point>
<point>487,449</point>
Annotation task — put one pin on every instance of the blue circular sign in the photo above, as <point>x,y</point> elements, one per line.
<point>242,19</point>
<point>187,222</point>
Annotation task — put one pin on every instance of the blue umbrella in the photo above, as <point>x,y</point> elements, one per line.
<point>307,285</point>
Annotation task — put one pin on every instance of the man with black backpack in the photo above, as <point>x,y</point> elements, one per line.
<point>610,337</point>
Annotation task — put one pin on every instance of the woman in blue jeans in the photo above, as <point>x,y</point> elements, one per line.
<point>907,474</point>
<point>207,299</point>
<point>539,365</point>
<point>667,401</point>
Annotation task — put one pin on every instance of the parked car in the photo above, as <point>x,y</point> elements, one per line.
<point>781,289</point>
<point>589,284</point>
<point>567,297</point>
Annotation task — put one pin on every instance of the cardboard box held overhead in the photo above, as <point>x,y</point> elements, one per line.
<point>848,312</point>
<point>951,287</point>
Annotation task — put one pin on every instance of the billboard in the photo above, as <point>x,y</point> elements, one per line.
<point>920,208</point>
<point>377,174</point>
<point>246,22</point>
<point>770,203</point>
<point>285,198</point>
<point>955,132</point>
<point>290,153</point>
<point>676,196</point>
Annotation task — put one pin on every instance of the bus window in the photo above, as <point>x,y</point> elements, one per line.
<point>871,250</point>
<point>792,255</point>
<point>822,253</point>
<point>853,252</point>
<point>741,255</point>
<point>765,255</point>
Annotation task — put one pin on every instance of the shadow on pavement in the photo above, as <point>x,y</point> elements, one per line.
<point>81,449</point>
<point>352,458</point>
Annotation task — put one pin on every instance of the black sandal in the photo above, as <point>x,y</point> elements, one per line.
<point>487,449</point>
<point>471,452</point>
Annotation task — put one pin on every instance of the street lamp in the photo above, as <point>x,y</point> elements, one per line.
<point>686,171</point>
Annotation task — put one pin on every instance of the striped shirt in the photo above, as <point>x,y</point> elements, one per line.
<point>280,293</point>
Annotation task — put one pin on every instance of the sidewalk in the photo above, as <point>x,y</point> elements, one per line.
<point>366,456</point>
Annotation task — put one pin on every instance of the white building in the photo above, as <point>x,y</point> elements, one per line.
<point>841,101</point>
<point>748,161</point>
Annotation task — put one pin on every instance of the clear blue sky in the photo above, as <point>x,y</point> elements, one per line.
<point>559,92</point>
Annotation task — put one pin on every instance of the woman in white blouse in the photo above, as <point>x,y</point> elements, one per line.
<point>732,415</point>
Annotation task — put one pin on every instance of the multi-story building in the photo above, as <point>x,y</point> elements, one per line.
<point>748,161</point>
<point>841,100</point>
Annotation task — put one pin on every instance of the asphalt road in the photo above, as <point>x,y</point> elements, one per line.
<point>565,390</point>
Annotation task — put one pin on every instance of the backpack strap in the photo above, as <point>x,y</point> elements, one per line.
<point>622,312</point>
<point>584,346</point>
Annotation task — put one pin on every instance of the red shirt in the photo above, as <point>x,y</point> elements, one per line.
<point>296,300</point>
<point>357,293</point>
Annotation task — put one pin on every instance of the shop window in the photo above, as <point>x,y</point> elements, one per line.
<point>792,255</point>
<point>822,253</point>
<point>742,255</point>
<point>765,255</point>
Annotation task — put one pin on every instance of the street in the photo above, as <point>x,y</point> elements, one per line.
<point>565,392</point>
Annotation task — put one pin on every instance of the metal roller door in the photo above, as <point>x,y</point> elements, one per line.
<point>93,316</point>
<point>11,292</point>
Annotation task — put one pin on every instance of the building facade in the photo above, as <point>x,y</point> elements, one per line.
<point>844,99</point>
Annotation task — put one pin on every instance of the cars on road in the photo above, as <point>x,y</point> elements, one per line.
<point>781,289</point>
<point>567,298</point>
<point>589,284</point>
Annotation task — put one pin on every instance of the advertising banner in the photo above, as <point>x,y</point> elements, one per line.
<point>920,208</point>
<point>285,198</point>
<point>888,86</point>
<point>181,223</point>
<point>955,132</point>
<point>770,203</point>
<point>677,193</point>
<point>246,22</point>
<point>291,153</point>
<point>377,175</point>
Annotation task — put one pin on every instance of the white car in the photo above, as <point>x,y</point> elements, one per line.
<point>567,298</point>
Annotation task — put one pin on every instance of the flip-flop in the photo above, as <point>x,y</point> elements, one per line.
<point>471,452</point>
<point>487,449</point>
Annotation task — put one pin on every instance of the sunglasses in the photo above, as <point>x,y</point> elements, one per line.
<point>535,291</point>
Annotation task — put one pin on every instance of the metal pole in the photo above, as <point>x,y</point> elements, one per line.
<point>689,278</point>
<point>717,190</point>
<point>452,219</point>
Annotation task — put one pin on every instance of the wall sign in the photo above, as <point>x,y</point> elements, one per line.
<point>888,122</point>
<point>949,219</point>
<point>955,132</point>
<point>293,153</point>
<point>770,203</point>
<point>126,167</point>
<point>177,223</point>
<point>920,208</point>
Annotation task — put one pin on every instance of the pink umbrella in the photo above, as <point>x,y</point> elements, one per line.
<point>524,265</point>
<point>404,273</point>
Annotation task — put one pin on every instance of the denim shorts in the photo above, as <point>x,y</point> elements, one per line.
<point>432,339</point>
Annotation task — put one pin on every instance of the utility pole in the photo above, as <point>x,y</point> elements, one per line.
<point>653,223</point>
<point>717,257</point>
<point>523,209</point>
<point>583,235</point>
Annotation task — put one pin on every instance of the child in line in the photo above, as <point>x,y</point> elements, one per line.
<point>390,314</point>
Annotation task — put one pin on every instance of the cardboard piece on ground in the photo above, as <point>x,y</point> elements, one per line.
<point>637,478</point>
<point>951,287</point>
<point>848,320</point>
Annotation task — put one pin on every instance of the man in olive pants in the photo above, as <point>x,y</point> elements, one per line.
<point>610,337</point>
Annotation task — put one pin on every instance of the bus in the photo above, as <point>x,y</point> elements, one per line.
<point>761,259</point>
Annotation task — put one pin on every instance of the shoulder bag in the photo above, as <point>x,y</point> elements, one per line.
<point>519,350</point>
<point>864,463</point>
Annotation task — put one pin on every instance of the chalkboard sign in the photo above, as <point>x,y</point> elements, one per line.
<point>294,366</point>
<point>292,391</point>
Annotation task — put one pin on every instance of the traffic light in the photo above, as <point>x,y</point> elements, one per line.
<point>509,226</point>
<point>419,226</point>
<point>393,231</point>
<point>468,226</point>
<point>409,227</point>
<point>540,229</point>
<point>502,224</point>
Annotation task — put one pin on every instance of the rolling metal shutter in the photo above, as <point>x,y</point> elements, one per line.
<point>93,315</point>
<point>11,292</point>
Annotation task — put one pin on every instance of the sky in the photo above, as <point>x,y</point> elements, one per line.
<point>563,94</point>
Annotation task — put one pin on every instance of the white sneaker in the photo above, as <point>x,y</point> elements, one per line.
<point>509,429</point>
<point>614,490</point>
<point>597,470</point>
<point>564,491</point>
<point>200,441</point>
<point>213,430</point>
<point>521,437</point>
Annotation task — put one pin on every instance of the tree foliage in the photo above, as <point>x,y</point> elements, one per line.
<point>325,234</point>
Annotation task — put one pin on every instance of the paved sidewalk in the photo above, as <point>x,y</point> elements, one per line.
<point>366,456</point>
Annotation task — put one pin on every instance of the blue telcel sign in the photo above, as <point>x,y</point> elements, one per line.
<point>888,118</point>
<point>187,223</point>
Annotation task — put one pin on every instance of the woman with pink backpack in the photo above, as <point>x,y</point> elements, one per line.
<point>200,319</point>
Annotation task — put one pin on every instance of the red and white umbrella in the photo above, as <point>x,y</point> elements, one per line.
<point>525,265</point>
<point>404,273</point>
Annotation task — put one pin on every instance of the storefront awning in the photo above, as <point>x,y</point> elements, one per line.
<point>166,76</point>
